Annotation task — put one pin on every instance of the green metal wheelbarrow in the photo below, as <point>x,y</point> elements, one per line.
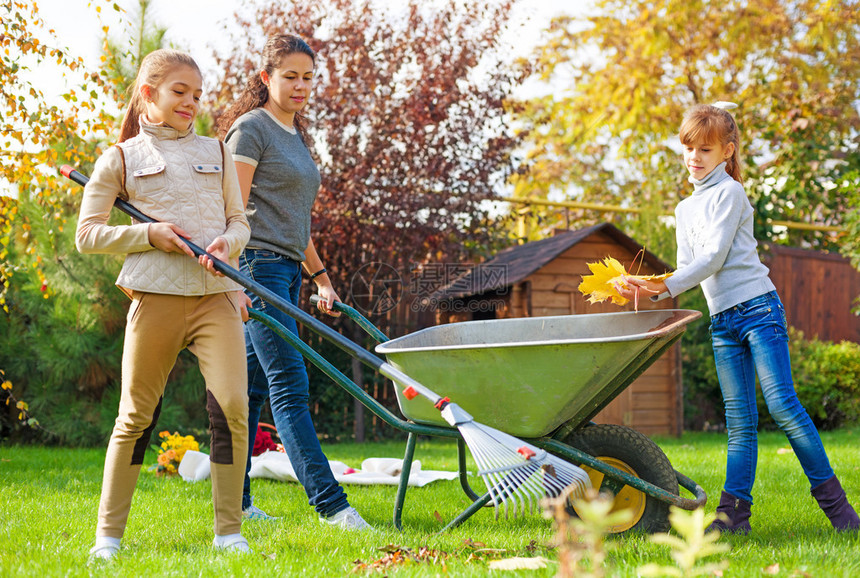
<point>539,378</point>
<point>542,379</point>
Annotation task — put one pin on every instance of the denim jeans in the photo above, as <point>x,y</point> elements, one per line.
<point>277,371</point>
<point>751,339</point>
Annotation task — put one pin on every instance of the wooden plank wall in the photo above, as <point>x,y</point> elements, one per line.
<point>817,290</point>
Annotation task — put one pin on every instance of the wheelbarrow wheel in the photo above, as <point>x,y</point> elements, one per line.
<point>635,454</point>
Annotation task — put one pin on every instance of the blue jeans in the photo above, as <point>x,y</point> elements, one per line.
<point>749,339</point>
<point>276,370</point>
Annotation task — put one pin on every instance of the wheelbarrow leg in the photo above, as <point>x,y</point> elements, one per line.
<point>464,474</point>
<point>467,513</point>
<point>610,485</point>
<point>404,480</point>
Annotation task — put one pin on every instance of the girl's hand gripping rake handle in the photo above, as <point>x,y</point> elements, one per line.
<point>386,369</point>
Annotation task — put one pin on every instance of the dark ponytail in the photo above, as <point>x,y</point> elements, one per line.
<point>256,94</point>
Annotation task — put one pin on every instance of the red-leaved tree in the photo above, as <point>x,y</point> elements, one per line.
<point>409,120</point>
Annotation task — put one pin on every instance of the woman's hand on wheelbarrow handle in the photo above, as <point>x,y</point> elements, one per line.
<point>337,306</point>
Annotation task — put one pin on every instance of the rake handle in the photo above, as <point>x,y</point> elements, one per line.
<point>270,296</point>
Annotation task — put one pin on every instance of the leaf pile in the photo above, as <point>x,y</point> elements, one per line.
<point>400,555</point>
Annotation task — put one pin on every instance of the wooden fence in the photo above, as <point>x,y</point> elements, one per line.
<point>818,290</point>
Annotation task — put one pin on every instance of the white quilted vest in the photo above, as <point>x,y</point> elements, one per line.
<point>175,177</point>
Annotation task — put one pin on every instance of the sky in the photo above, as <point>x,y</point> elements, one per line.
<point>198,26</point>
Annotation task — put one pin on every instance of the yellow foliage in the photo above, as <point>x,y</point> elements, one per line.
<point>600,285</point>
<point>35,132</point>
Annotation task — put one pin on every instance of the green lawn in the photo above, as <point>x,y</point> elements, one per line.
<point>49,499</point>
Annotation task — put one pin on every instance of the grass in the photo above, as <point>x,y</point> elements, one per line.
<point>49,499</point>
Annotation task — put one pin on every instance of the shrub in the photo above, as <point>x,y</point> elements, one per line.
<point>827,380</point>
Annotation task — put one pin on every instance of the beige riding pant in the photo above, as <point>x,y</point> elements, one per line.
<point>158,328</point>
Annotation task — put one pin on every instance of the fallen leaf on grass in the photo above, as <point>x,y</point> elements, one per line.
<point>397,555</point>
<point>438,516</point>
<point>772,569</point>
<point>518,563</point>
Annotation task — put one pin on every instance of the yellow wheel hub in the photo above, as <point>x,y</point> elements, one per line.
<point>627,499</point>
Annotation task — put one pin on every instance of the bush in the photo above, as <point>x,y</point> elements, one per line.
<point>61,346</point>
<point>827,380</point>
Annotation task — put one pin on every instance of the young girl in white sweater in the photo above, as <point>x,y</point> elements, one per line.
<point>716,248</point>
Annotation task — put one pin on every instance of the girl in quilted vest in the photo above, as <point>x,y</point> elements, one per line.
<point>186,182</point>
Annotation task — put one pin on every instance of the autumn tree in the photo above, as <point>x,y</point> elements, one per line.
<point>629,70</point>
<point>38,132</point>
<point>408,119</point>
<point>61,327</point>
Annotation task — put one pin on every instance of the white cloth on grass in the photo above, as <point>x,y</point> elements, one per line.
<point>276,465</point>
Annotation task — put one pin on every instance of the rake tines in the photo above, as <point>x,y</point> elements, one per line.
<point>518,475</point>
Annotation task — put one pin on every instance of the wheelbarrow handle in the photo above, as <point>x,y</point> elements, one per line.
<point>284,305</point>
<point>356,317</point>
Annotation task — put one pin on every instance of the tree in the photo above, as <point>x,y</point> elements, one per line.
<point>122,58</point>
<point>35,215</point>
<point>37,135</point>
<point>632,68</point>
<point>61,330</point>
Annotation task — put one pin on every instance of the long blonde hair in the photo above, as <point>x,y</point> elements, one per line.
<point>709,124</point>
<point>155,67</point>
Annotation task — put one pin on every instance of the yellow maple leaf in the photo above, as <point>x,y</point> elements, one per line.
<point>600,285</point>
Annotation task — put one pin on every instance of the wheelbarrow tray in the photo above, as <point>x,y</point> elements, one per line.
<point>528,376</point>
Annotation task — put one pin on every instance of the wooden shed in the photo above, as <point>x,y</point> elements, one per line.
<point>818,290</point>
<point>541,278</point>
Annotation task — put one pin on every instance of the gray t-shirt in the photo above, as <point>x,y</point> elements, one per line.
<point>716,246</point>
<point>285,185</point>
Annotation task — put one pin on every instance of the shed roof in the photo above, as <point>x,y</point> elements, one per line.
<point>512,265</point>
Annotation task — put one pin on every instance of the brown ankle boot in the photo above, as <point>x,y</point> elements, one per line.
<point>831,498</point>
<point>735,515</point>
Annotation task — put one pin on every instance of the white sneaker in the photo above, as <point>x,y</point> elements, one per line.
<point>231,543</point>
<point>252,512</point>
<point>347,519</point>
<point>104,549</point>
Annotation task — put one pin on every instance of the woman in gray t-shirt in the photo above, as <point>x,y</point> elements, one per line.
<point>279,182</point>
